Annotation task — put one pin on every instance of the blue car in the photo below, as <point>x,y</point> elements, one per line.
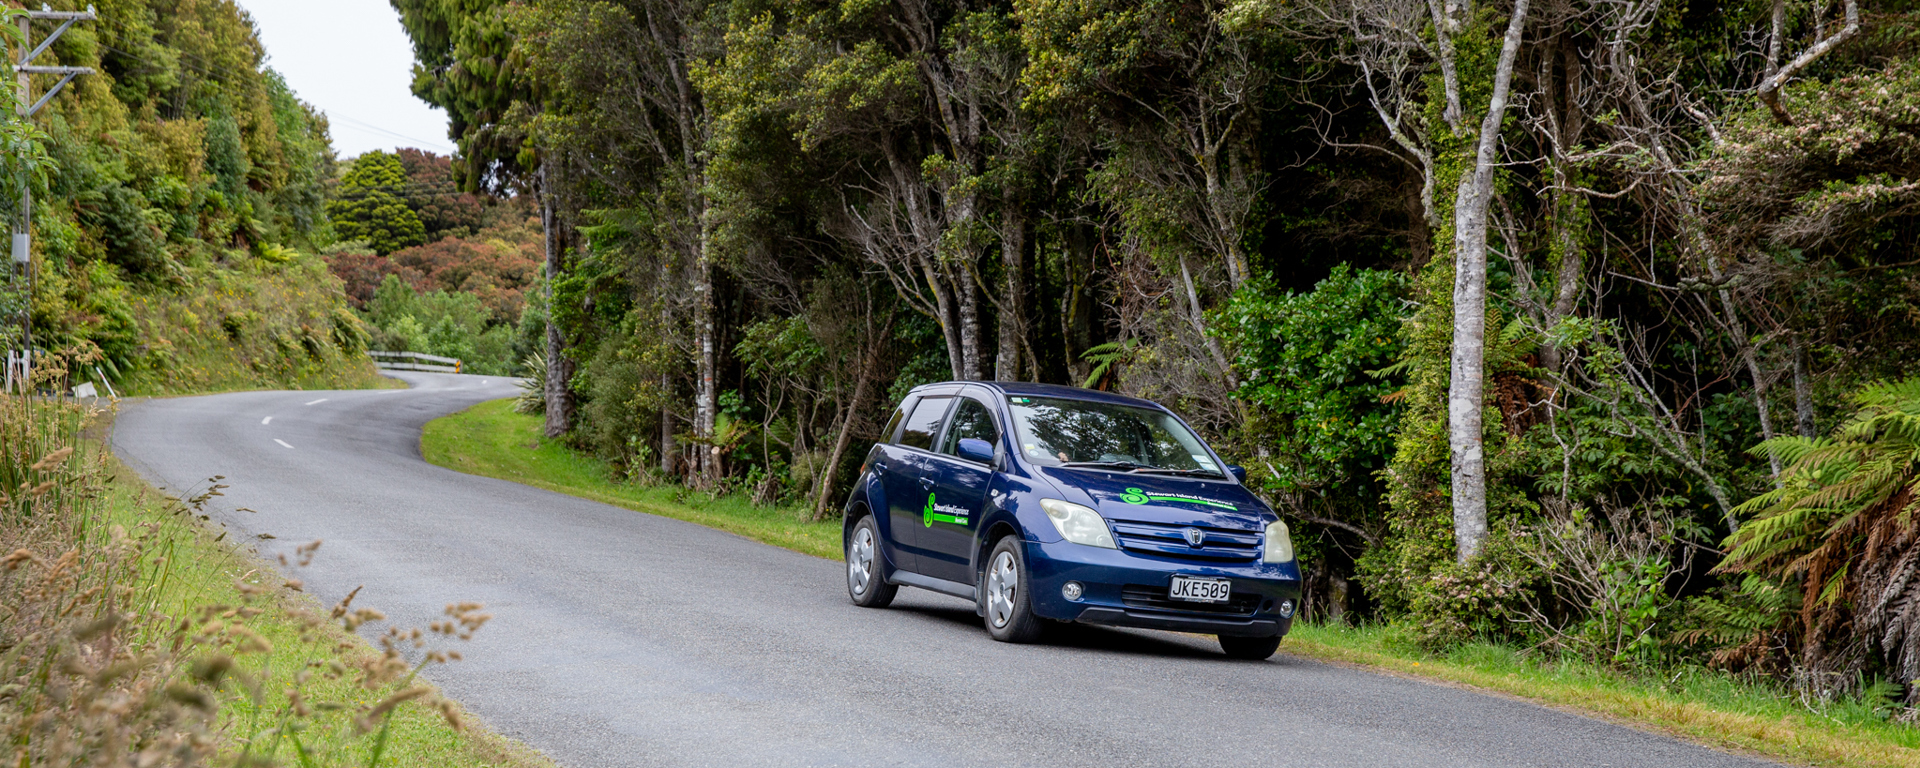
<point>1047,503</point>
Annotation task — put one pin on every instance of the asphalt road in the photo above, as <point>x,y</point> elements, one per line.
<point>622,639</point>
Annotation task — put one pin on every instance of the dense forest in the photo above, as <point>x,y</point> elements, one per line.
<point>1580,325</point>
<point>180,196</point>
<point>1574,323</point>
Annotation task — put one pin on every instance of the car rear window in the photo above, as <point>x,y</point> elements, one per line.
<point>925,422</point>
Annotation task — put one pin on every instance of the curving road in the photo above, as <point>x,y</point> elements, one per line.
<point>622,639</point>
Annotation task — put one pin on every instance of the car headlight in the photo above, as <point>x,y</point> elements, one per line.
<point>1279,544</point>
<point>1078,524</point>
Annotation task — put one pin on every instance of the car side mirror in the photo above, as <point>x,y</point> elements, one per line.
<point>1239,472</point>
<point>976,449</point>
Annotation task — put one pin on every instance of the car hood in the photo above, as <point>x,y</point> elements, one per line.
<point>1164,499</point>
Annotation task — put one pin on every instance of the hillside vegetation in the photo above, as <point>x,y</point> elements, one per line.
<point>179,207</point>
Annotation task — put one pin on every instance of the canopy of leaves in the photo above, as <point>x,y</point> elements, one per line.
<point>368,206</point>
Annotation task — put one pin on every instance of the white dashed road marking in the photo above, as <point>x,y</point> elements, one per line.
<point>266,420</point>
<point>317,402</point>
<point>282,443</point>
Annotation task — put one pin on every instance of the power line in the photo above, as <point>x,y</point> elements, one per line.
<point>208,68</point>
<point>378,129</point>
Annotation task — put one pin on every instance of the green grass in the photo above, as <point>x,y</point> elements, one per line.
<point>490,439</point>
<point>202,567</point>
<point>1701,705</point>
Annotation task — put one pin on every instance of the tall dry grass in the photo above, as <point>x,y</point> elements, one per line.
<point>108,659</point>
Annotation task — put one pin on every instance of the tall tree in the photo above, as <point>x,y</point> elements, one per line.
<point>1466,397</point>
<point>464,63</point>
<point>621,75</point>
<point>368,205</point>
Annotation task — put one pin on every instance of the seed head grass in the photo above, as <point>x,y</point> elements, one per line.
<point>133,631</point>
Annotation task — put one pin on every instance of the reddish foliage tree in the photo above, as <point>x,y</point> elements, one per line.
<point>497,271</point>
<point>363,272</point>
<point>431,193</point>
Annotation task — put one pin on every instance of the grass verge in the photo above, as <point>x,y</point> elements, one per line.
<point>491,440</point>
<point>1701,705</point>
<point>1697,704</point>
<point>134,633</point>
<point>204,568</point>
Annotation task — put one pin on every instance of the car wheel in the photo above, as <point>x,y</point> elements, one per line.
<point>865,584</point>
<point>1249,648</point>
<point>1010,616</point>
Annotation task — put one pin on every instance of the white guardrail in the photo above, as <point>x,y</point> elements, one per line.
<point>395,361</point>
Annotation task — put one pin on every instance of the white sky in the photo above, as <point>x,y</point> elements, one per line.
<point>352,60</point>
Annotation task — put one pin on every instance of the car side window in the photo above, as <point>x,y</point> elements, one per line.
<point>970,419</point>
<point>893,425</point>
<point>925,422</point>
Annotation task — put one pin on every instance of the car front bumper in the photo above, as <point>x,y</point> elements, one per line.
<point>1127,590</point>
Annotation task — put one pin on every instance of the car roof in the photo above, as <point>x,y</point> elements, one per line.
<point>1028,389</point>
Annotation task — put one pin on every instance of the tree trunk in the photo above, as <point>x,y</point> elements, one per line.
<point>1466,394</point>
<point>1076,305</point>
<point>1223,221</point>
<point>667,447</point>
<point>559,395</point>
<point>666,431</point>
<point>876,347</point>
<point>970,347</point>
<point>1013,306</point>
<point>1803,392</point>
<point>707,396</point>
<point>1569,269</point>
<point>1750,356</point>
<point>1197,318</point>
<point>949,326</point>
<point>1446,23</point>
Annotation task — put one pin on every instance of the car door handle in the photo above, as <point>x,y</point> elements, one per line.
<point>879,466</point>
<point>926,483</point>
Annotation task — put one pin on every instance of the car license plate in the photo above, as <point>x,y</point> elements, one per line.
<point>1200,590</point>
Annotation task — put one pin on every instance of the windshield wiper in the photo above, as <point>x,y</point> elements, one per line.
<point>1142,469</point>
<point>1183,472</point>
<point>1127,466</point>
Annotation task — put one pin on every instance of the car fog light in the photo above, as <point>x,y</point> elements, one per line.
<point>1071,591</point>
<point>1286,609</point>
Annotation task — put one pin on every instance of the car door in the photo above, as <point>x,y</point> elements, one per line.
<point>959,494</point>
<point>906,481</point>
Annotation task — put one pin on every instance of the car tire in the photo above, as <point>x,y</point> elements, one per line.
<point>1010,616</point>
<point>1249,648</point>
<point>866,584</point>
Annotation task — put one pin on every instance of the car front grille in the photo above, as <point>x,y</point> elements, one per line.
<point>1219,545</point>
<point>1155,598</point>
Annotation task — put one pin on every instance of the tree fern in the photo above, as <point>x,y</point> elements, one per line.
<point>1841,524</point>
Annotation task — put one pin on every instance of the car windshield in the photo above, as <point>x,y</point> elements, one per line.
<point>1058,432</point>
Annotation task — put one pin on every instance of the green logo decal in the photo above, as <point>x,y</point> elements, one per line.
<point>1137,496</point>
<point>933,513</point>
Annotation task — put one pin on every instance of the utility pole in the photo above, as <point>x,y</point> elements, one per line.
<point>23,70</point>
